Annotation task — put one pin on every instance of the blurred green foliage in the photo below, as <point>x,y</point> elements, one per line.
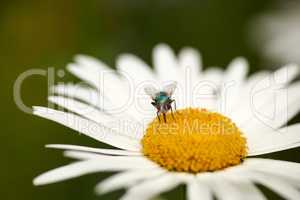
<point>40,34</point>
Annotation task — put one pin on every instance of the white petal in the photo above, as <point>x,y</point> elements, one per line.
<point>94,150</point>
<point>274,141</point>
<point>190,64</point>
<point>287,169</point>
<point>165,63</point>
<point>238,114</point>
<point>88,128</point>
<point>189,57</point>
<point>100,164</point>
<point>280,186</point>
<point>93,114</point>
<point>92,71</point>
<point>262,93</point>
<point>285,107</point>
<point>82,109</point>
<point>287,73</point>
<point>206,91</point>
<point>237,70</point>
<point>197,190</point>
<point>135,162</point>
<point>280,176</point>
<point>86,94</point>
<point>126,179</point>
<point>135,68</point>
<point>91,63</point>
<point>128,162</point>
<point>232,84</point>
<point>69,171</point>
<point>143,78</point>
<point>213,74</point>
<point>151,188</point>
<point>89,96</point>
<point>254,78</point>
<point>107,82</point>
<point>189,67</point>
<point>227,189</point>
<point>91,77</point>
<point>293,105</point>
<point>117,89</point>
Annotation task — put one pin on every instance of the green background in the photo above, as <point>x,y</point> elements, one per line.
<point>42,34</point>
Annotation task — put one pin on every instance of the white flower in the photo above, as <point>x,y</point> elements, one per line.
<point>276,34</point>
<point>154,157</point>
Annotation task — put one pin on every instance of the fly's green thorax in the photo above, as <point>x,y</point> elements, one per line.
<point>161,97</point>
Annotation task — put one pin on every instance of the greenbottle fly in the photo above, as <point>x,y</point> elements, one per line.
<point>161,99</point>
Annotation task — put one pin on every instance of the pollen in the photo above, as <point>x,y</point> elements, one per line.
<point>194,140</point>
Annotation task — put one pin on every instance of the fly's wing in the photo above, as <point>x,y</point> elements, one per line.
<point>151,91</point>
<point>170,88</point>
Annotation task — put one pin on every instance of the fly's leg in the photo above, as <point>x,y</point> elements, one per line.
<point>157,114</point>
<point>172,114</point>
<point>165,119</point>
<point>175,105</point>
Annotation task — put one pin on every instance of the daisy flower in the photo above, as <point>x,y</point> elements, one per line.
<point>207,143</point>
<point>277,33</point>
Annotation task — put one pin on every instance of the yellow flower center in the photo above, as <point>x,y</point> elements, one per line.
<point>195,140</point>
